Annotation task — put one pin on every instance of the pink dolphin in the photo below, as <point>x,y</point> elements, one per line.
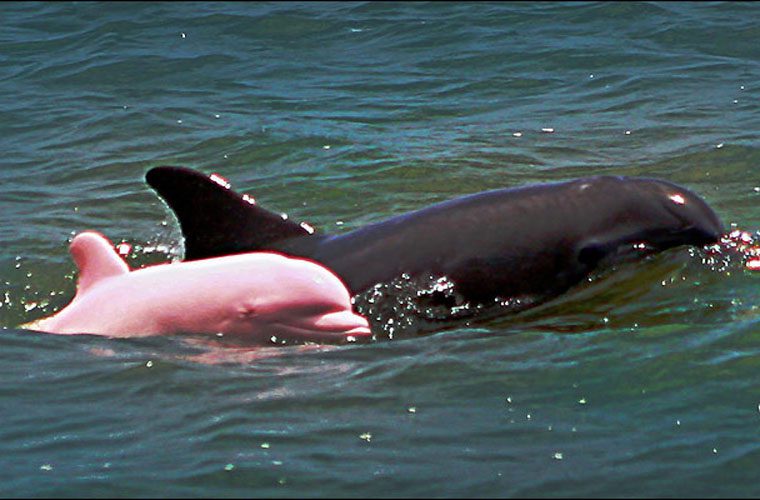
<point>255,296</point>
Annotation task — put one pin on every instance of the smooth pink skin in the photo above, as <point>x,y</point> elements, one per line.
<point>255,295</point>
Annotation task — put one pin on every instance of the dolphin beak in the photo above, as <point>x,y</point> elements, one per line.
<point>345,322</point>
<point>328,327</point>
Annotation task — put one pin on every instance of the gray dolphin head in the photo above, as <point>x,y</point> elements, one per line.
<point>628,216</point>
<point>684,217</point>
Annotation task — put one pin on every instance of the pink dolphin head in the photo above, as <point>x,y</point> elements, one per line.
<point>258,296</point>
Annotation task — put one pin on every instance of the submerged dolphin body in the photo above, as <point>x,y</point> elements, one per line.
<point>251,296</point>
<point>535,241</point>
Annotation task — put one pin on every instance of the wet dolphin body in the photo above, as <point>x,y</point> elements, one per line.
<point>535,241</point>
<point>251,296</point>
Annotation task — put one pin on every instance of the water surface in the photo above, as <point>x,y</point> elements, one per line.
<point>643,383</point>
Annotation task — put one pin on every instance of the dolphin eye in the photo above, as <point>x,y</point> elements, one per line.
<point>677,198</point>
<point>248,310</point>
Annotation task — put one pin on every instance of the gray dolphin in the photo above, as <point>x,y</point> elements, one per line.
<point>535,241</point>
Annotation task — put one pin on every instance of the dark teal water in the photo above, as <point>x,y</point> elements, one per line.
<point>643,383</point>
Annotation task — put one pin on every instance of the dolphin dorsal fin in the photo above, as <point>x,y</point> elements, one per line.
<point>216,220</point>
<point>96,259</point>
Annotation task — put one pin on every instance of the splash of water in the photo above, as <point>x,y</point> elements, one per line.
<point>411,305</point>
<point>736,250</point>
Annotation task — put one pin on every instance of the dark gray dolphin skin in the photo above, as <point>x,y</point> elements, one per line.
<point>537,240</point>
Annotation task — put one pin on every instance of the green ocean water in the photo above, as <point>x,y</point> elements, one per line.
<point>645,382</point>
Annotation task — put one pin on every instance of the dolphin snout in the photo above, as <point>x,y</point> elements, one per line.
<point>324,327</point>
<point>343,321</point>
